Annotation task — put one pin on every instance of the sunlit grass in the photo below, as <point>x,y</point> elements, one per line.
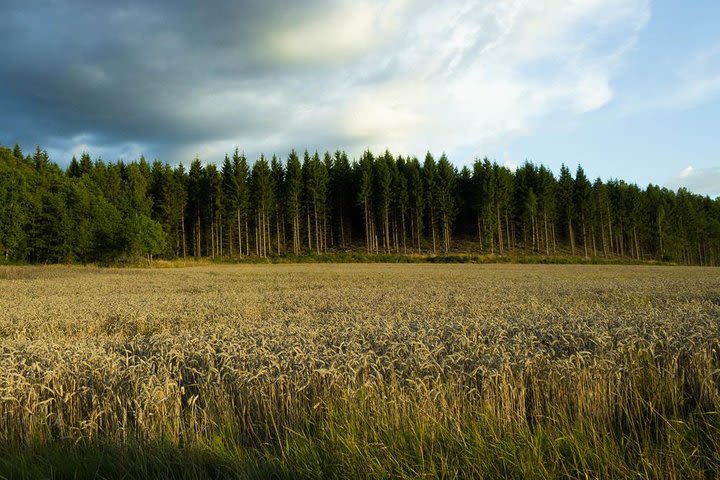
<point>364,371</point>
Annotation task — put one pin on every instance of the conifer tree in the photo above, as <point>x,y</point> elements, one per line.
<point>382,195</point>
<point>430,189</point>
<point>262,194</point>
<point>277,177</point>
<point>293,192</point>
<point>107,211</point>
<point>416,199</point>
<point>566,190</point>
<point>446,185</point>
<point>195,204</point>
<point>581,199</point>
<point>241,200</point>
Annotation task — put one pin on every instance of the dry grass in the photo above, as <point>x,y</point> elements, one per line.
<point>362,370</point>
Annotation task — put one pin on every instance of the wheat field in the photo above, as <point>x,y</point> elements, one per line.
<point>362,371</point>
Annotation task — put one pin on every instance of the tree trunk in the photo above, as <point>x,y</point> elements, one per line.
<point>247,236</point>
<point>434,235</point>
<point>199,237</point>
<point>317,231</point>
<point>367,228</point>
<point>309,233</point>
<point>419,233</point>
<point>268,233</point>
<point>386,231</point>
<point>532,227</point>
<point>610,234</point>
<point>296,233</point>
<point>403,236</point>
<point>184,242</point>
<point>325,232</point>
<point>258,234</point>
<point>239,234</point>
<point>500,239</point>
<point>342,229</point>
<point>547,238</point>
<point>507,230</point>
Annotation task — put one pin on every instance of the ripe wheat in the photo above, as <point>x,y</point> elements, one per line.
<point>255,356</point>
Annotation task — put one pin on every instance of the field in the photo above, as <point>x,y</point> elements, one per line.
<point>367,371</point>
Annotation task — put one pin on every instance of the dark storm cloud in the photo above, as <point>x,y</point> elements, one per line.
<point>154,73</point>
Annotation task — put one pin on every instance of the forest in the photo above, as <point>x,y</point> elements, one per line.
<point>311,203</point>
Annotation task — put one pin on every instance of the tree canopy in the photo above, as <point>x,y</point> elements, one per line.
<point>96,211</point>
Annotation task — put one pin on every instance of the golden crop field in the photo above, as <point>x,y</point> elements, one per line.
<point>335,371</point>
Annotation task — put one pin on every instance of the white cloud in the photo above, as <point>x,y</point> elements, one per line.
<point>687,172</point>
<point>342,32</point>
<point>469,72</point>
<point>703,180</point>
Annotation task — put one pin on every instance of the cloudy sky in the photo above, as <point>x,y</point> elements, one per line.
<point>628,88</point>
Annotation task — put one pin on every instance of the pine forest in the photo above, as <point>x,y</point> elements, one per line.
<point>312,203</point>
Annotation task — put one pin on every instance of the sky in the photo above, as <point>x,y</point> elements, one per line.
<point>629,89</point>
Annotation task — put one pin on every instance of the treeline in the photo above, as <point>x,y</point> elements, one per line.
<point>98,211</point>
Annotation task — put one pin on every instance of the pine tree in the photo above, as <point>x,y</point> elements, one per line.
<point>195,203</point>
<point>416,199</point>
<point>430,189</point>
<point>213,208</point>
<point>601,215</point>
<point>446,185</point>
<point>547,187</point>
<point>341,194</point>
<point>566,190</point>
<point>86,164</point>
<point>177,197</point>
<point>262,194</point>
<point>581,199</point>
<point>73,170</point>
<point>241,200</point>
<point>277,177</point>
<point>382,195</point>
<point>230,205</point>
<point>365,197</point>
<point>402,197</point>
<point>18,153</point>
<point>105,211</point>
<point>293,192</point>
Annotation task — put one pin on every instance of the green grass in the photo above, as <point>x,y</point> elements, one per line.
<point>364,440</point>
<point>360,257</point>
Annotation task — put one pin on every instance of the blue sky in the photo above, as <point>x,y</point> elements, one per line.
<point>628,88</point>
<point>661,125</point>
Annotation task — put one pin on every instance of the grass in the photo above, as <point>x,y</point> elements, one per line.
<point>360,371</point>
<point>396,445</point>
<point>361,257</point>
